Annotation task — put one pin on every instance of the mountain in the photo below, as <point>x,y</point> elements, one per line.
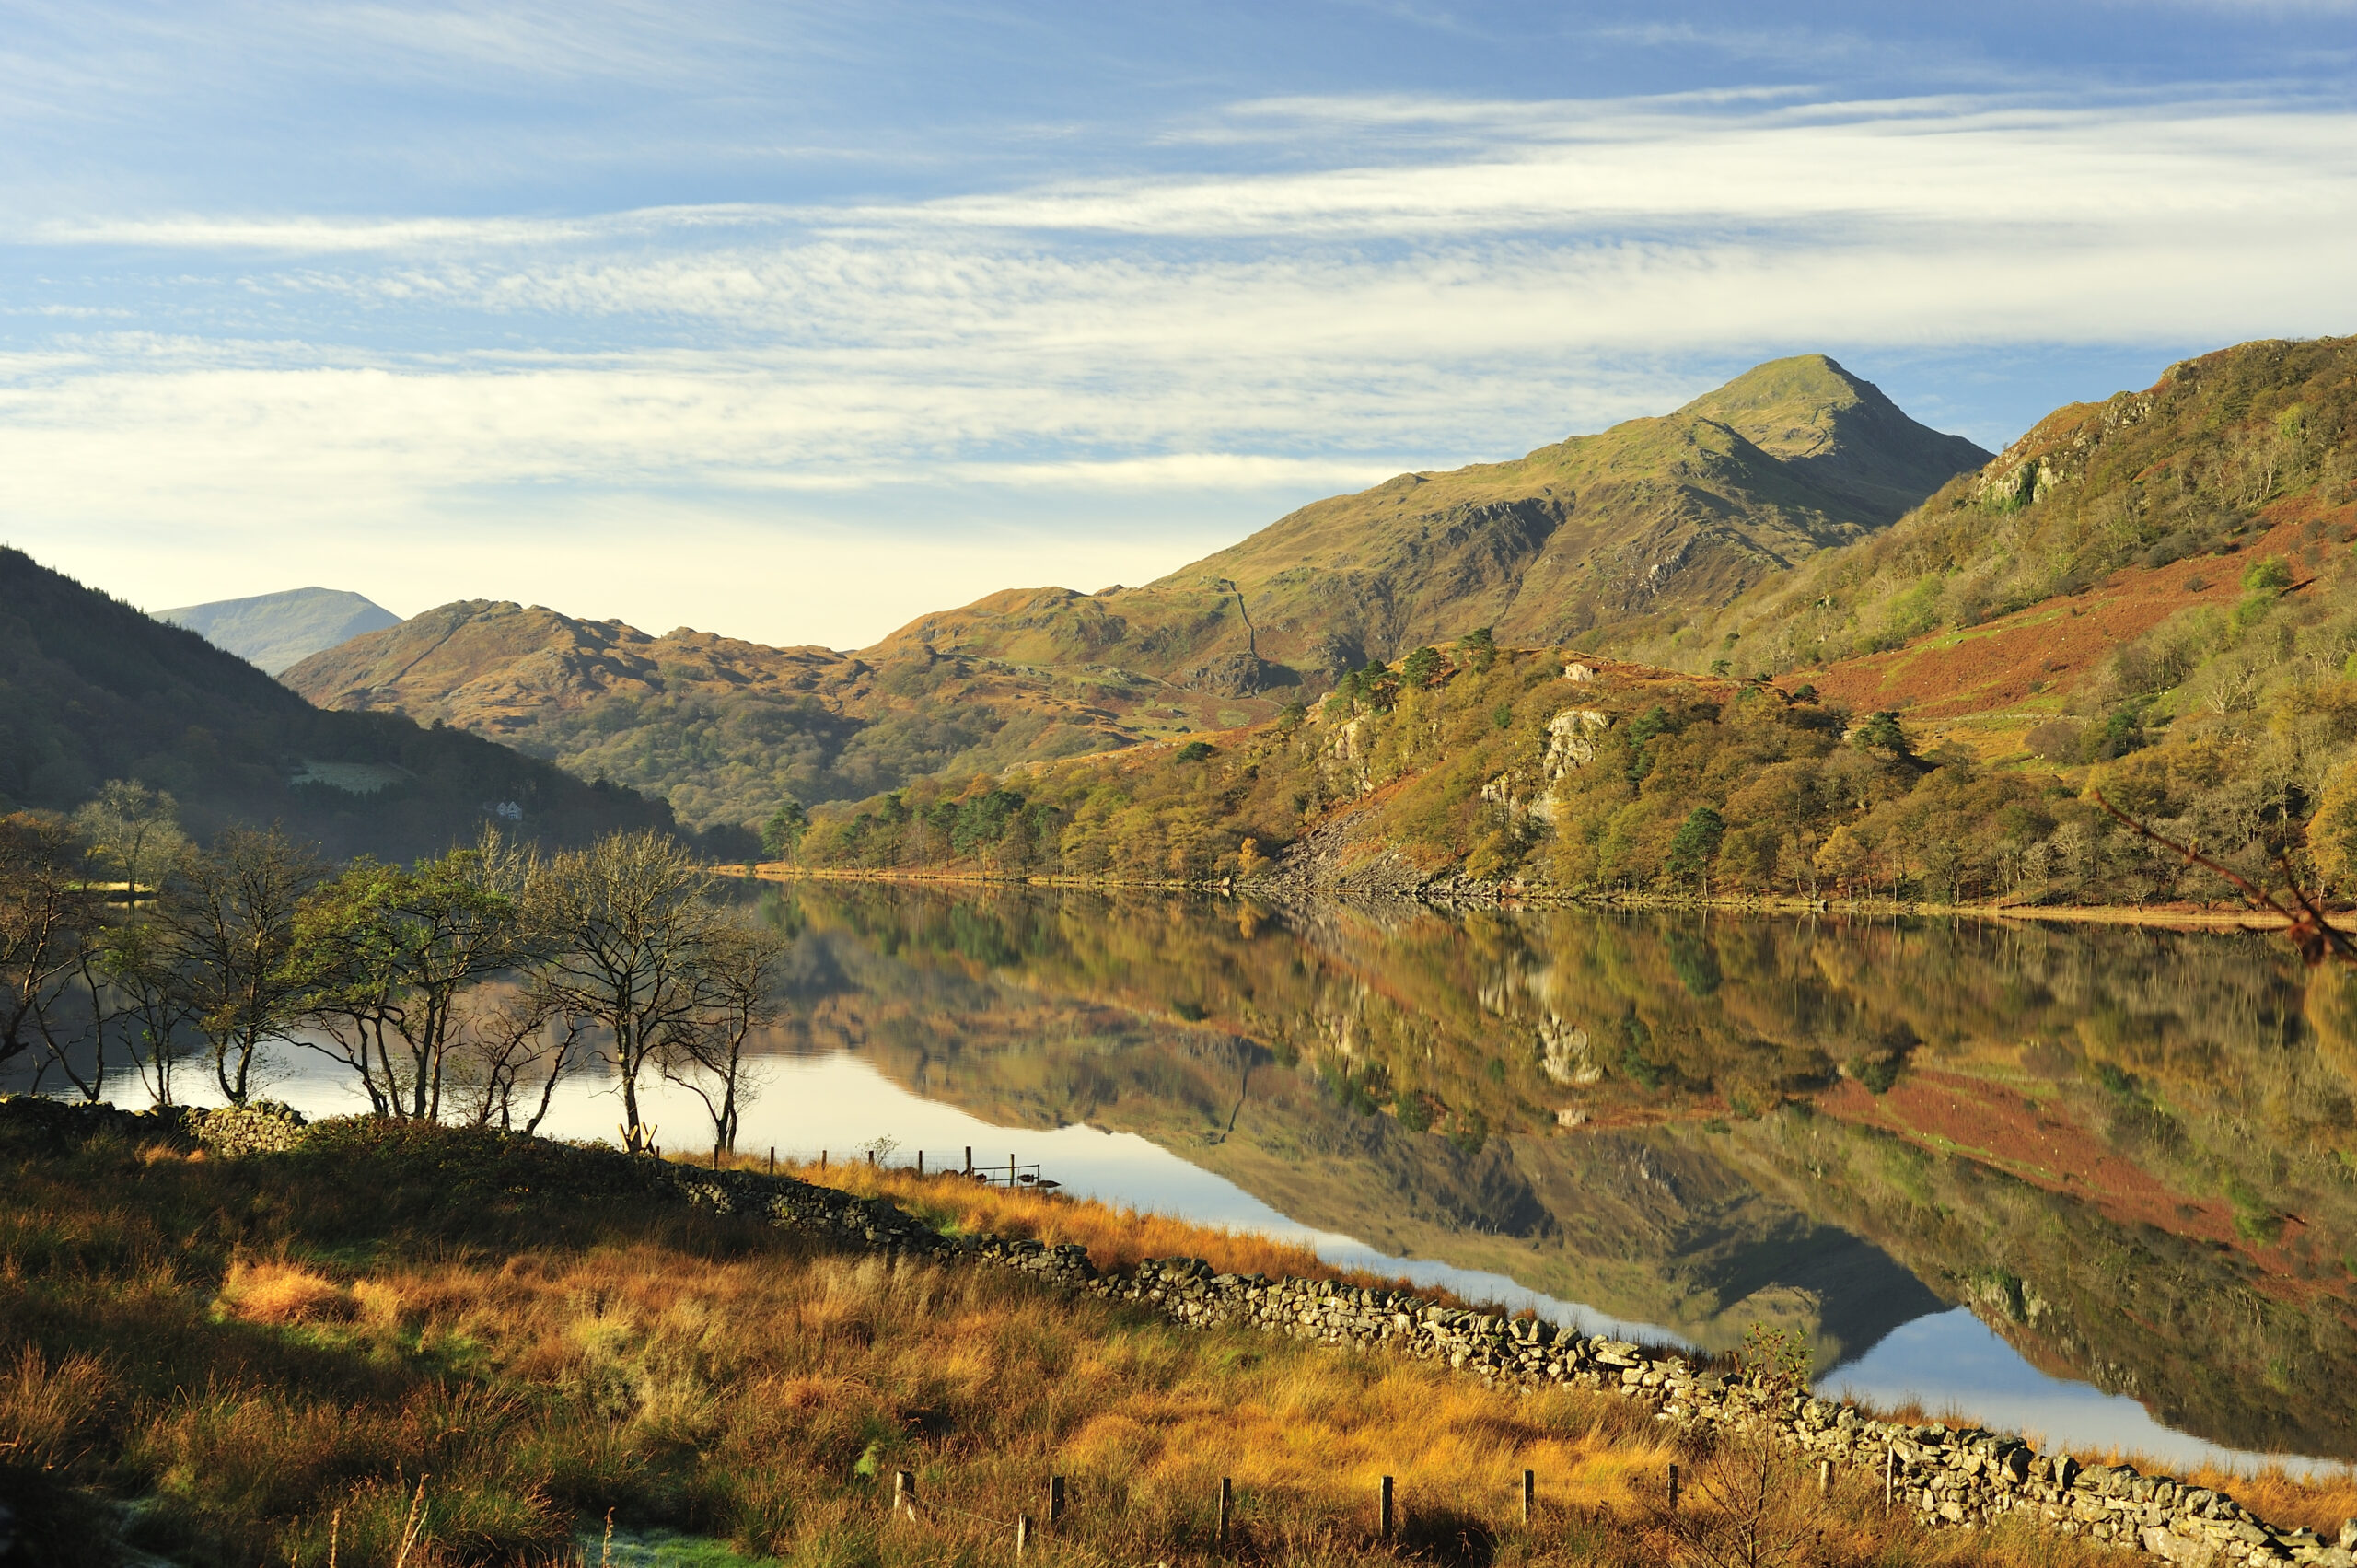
<point>2153,597</point>
<point>727,730</point>
<point>92,689</point>
<point>1587,537</point>
<point>275,630</point>
<point>1587,540</point>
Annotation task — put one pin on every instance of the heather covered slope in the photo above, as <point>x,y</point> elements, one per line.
<point>276,630</point>
<point>1584,539</point>
<point>92,689</point>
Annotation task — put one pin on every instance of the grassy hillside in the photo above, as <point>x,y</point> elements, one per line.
<point>726,730</point>
<point>276,630</point>
<point>91,689</point>
<point>1655,517</point>
<point>2136,519</point>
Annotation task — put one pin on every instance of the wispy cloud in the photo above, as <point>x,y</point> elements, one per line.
<point>1464,279</point>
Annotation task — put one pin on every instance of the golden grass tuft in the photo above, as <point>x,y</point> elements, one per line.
<point>278,1293</point>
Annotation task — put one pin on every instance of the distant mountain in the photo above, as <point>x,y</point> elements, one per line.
<point>1588,540</point>
<point>92,689</point>
<point>275,630</point>
<point>729,730</point>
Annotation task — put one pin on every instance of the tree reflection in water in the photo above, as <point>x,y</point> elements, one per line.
<point>2128,1151</point>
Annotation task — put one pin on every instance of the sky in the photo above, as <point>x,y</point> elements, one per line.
<point>794,321</point>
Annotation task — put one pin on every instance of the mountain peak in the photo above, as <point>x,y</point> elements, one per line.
<point>1842,432</point>
<point>279,630</point>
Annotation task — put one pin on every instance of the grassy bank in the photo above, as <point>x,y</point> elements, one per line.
<point>485,1345</point>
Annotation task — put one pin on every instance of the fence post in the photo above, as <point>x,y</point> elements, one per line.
<point>1055,1501</point>
<point>904,1494</point>
<point>920,1162</point>
<point>970,1159</point>
<point>1529,1495</point>
<point>871,1159</point>
<point>1227,1506</point>
<point>1825,1478</point>
<point>1673,1489</point>
<point>1383,1511</point>
<point>1010,1173</point>
<point>1022,1533</point>
<point>1889,1478</point>
<point>773,1159</point>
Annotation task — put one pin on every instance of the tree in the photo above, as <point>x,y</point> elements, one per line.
<point>1420,667</point>
<point>784,830</point>
<point>225,929</point>
<point>706,1055</point>
<point>390,957</point>
<point>1695,845</point>
<point>135,832</point>
<point>155,994</point>
<point>1481,649</point>
<point>1883,732</point>
<point>47,913</point>
<point>630,951</point>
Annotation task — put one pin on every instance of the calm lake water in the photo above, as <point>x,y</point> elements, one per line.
<point>2092,1184</point>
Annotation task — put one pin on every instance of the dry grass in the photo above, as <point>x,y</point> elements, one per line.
<point>281,1353</point>
<point>281,1292</point>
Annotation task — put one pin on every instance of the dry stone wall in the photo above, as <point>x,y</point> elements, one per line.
<point>1956,1475</point>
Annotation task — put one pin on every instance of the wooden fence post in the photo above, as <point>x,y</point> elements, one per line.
<point>773,1159</point>
<point>970,1159</point>
<point>1889,1478</point>
<point>920,1162</point>
<point>1383,1511</point>
<point>1055,1501</point>
<point>904,1494</point>
<point>1529,1495</point>
<point>1226,1505</point>
<point>1673,1489</point>
<point>1825,1478</point>
<point>1022,1533</point>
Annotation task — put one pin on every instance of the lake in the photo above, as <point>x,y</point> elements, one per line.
<point>2093,1183</point>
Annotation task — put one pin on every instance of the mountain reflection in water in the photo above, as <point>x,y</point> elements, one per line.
<point>2126,1152</point>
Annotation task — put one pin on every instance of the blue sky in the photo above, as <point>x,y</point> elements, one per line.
<point>795,320</point>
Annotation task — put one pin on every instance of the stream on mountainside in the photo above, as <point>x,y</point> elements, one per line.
<point>2091,1183</point>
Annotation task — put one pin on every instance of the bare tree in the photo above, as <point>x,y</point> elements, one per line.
<point>47,911</point>
<point>510,1057</point>
<point>157,1001</point>
<point>707,1056</point>
<point>631,945</point>
<point>226,926</point>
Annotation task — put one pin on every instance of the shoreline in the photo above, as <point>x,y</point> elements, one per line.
<point>2214,917</point>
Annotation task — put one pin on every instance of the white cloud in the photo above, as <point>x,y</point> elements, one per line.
<point>1186,355</point>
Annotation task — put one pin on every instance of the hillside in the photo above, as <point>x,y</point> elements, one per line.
<point>2152,595</point>
<point>727,730</point>
<point>275,630</point>
<point>1586,541</point>
<point>91,689</point>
